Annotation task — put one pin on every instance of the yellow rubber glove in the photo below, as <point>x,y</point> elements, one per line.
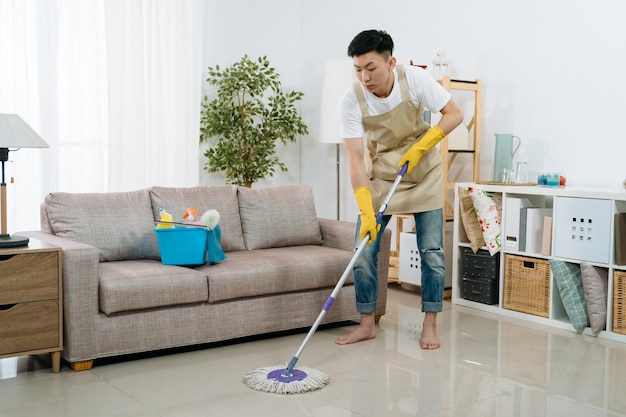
<point>426,143</point>
<point>368,219</point>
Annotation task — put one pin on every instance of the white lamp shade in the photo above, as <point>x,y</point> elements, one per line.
<point>16,133</point>
<point>338,77</point>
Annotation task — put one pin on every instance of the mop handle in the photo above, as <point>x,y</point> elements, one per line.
<point>346,272</point>
<point>383,206</point>
<point>179,223</point>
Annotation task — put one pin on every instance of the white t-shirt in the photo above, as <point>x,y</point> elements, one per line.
<point>423,89</point>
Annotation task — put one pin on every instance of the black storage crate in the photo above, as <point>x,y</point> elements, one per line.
<point>480,264</point>
<point>480,276</point>
<point>481,290</point>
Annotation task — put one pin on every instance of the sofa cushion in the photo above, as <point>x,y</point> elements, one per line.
<point>279,216</point>
<point>489,214</point>
<point>570,284</point>
<point>44,220</point>
<point>137,285</point>
<point>120,224</point>
<point>222,198</point>
<point>595,287</point>
<point>470,221</point>
<point>278,270</point>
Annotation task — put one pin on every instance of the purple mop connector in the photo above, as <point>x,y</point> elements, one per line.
<point>329,303</point>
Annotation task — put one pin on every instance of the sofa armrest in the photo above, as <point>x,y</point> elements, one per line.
<point>341,235</point>
<point>80,289</point>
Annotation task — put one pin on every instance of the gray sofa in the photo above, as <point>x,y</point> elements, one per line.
<point>282,264</point>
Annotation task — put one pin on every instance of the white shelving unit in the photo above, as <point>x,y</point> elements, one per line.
<point>545,197</point>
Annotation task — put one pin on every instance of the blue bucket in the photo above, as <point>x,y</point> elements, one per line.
<point>182,245</point>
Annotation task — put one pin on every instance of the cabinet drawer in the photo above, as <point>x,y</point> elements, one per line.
<point>29,326</point>
<point>28,277</point>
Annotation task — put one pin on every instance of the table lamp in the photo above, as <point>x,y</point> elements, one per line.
<point>15,133</point>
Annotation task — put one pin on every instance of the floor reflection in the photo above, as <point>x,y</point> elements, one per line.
<point>488,365</point>
<point>530,369</point>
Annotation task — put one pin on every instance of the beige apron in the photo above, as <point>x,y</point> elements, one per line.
<point>389,135</point>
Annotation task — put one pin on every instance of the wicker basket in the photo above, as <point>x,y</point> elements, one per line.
<point>535,344</point>
<point>527,285</point>
<point>619,302</point>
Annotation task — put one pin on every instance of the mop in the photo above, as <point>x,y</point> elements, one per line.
<point>288,380</point>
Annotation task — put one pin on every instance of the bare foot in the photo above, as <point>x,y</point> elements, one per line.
<point>365,331</point>
<point>429,338</point>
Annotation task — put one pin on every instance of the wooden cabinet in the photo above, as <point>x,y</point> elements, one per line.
<point>394,259</point>
<point>449,153</point>
<point>31,307</point>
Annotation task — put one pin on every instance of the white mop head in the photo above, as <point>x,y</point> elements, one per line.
<point>210,219</point>
<point>258,380</point>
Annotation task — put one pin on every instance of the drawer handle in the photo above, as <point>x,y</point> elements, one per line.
<point>529,265</point>
<point>4,307</point>
<point>6,257</point>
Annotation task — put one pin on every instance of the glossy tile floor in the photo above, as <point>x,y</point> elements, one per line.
<point>487,366</point>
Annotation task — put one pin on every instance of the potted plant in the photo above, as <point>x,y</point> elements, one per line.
<point>244,121</point>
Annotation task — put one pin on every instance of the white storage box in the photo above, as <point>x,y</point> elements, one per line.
<point>582,229</point>
<point>531,228</point>
<point>410,265</point>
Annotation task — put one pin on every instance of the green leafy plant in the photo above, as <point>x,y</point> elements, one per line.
<point>244,121</point>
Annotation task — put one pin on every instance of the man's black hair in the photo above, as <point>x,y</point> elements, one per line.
<point>371,40</point>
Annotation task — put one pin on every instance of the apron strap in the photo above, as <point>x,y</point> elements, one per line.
<point>404,85</point>
<point>361,99</point>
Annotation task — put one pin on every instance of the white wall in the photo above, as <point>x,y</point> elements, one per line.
<point>551,74</point>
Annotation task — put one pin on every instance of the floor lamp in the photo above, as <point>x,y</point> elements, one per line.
<point>338,76</point>
<point>15,133</point>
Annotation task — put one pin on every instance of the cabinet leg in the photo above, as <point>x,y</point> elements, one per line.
<point>56,361</point>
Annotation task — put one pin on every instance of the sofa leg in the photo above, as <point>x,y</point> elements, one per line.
<point>377,318</point>
<point>81,365</point>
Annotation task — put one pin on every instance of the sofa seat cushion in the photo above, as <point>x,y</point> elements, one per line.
<point>276,217</point>
<point>137,285</point>
<point>222,198</point>
<point>119,224</point>
<point>278,270</point>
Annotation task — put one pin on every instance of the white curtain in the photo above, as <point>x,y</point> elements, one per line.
<point>113,86</point>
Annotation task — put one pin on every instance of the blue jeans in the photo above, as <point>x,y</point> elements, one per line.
<point>429,235</point>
